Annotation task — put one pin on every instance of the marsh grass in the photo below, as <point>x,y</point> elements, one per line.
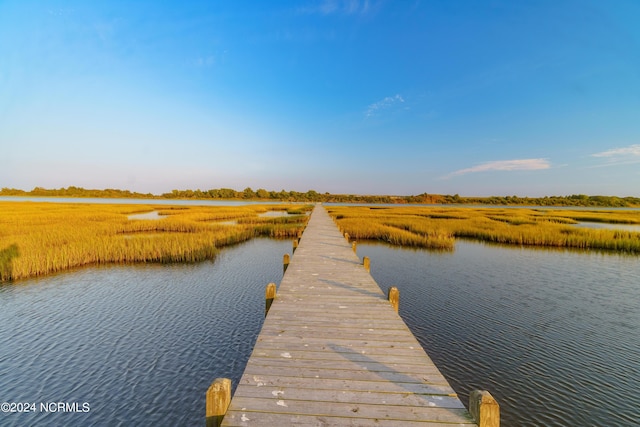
<point>396,227</point>
<point>41,238</point>
<point>438,227</point>
<point>279,227</point>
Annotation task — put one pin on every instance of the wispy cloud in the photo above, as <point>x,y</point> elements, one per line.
<point>619,156</point>
<point>620,153</point>
<point>503,165</point>
<point>383,104</point>
<point>330,7</point>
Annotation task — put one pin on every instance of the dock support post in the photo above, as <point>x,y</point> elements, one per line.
<point>353,246</point>
<point>346,236</point>
<point>295,245</point>
<point>484,409</point>
<point>367,263</point>
<point>270,295</point>
<point>285,262</point>
<point>394,297</point>
<point>218,400</point>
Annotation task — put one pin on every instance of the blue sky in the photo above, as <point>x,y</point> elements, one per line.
<point>477,97</point>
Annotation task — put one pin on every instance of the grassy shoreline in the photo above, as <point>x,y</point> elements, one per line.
<point>42,238</point>
<point>437,227</point>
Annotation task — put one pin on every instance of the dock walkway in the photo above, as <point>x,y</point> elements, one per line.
<point>333,351</point>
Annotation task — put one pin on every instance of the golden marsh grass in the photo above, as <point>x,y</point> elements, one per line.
<point>438,227</point>
<point>41,238</point>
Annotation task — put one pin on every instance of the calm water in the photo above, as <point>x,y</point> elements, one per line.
<point>607,226</point>
<point>140,344</point>
<point>554,335</point>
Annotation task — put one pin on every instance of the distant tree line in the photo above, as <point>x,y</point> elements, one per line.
<point>282,195</point>
<point>76,192</point>
<point>314,196</point>
<point>573,200</point>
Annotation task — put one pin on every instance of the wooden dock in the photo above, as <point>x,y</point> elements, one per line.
<point>334,352</point>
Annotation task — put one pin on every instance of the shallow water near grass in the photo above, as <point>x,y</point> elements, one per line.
<point>607,226</point>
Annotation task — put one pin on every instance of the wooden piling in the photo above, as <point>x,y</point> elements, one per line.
<point>218,399</point>
<point>394,297</point>
<point>295,245</point>
<point>353,246</point>
<point>346,236</point>
<point>270,295</point>
<point>484,409</point>
<point>367,263</point>
<point>285,261</point>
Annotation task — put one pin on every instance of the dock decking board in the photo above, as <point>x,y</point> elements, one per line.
<point>333,352</point>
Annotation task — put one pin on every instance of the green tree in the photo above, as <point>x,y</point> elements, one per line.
<point>248,193</point>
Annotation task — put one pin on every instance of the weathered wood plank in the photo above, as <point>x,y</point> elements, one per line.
<point>345,334</point>
<point>344,314</point>
<point>353,344</point>
<point>353,396</point>
<point>337,309</point>
<point>344,396</point>
<point>388,357</point>
<point>333,351</point>
<point>342,384</point>
<point>247,419</point>
<point>323,322</point>
<point>365,349</point>
<point>266,419</point>
<point>369,365</point>
<point>354,410</point>
<point>347,374</point>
